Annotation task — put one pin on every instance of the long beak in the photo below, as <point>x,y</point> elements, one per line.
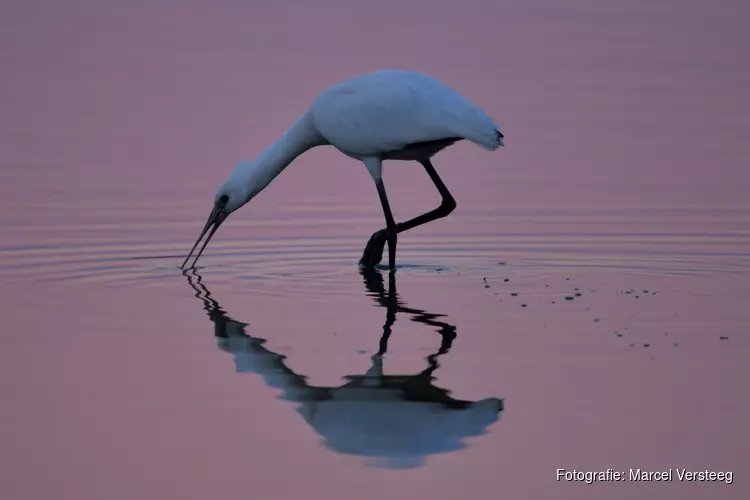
<point>218,215</point>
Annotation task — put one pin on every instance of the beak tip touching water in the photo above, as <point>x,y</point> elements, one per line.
<point>218,215</point>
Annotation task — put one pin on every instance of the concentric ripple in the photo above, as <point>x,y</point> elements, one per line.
<point>319,263</point>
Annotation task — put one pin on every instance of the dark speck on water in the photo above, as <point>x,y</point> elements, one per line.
<point>523,305</point>
<point>646,345</point>
<point>569,297</point>
<point>514,294</point>
<point>578,294</point>
<point>724,338</point>
<point>506,280</point>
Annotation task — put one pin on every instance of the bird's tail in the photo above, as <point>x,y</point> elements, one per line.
<point>481,130</point>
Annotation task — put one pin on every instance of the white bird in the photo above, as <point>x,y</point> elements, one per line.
<point>384,115</point>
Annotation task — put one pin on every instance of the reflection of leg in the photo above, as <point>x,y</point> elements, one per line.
<point>374,375</point>
<point>420,387</point>
<point>448,333</point>
<point>390,301</point>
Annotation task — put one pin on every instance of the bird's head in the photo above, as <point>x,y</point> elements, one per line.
<point>239,188</point>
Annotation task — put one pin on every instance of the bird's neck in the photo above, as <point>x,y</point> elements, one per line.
<point>300,137</point>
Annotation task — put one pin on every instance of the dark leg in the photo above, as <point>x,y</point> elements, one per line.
<point>373,253</point>
<point>391,235</point>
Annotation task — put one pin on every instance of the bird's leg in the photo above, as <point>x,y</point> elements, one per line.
<point>391,233</point>
<point>373,252</point>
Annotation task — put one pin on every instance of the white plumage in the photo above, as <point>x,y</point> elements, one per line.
<point>378,113</point>
<point>390,114</point>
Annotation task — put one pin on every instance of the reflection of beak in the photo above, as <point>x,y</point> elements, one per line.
<point>218,215</point>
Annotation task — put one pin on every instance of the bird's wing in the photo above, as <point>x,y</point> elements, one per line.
<point>386,111</point>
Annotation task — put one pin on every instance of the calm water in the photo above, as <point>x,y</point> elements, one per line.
<point>584,308</point>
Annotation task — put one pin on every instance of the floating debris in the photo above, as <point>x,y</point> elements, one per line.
<point>506,280</point>
<point>597,320</point>
<point>514,294</point>
<point>646,345</point>
<point>723,338</point>
<point>569,297</point>
<point>523,305</point>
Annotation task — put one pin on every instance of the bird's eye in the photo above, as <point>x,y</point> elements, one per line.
<point>223,199</point>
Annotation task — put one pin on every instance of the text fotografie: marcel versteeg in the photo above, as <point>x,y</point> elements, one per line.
<point>643,475</point>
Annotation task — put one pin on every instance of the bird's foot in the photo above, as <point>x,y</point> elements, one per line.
<point>373,253</point>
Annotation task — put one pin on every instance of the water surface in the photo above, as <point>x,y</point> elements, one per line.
<point>585,307</point>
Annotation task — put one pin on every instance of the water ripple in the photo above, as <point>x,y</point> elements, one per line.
<point>321,262</point>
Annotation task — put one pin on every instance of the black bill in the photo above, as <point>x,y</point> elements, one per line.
<point>218,215</point>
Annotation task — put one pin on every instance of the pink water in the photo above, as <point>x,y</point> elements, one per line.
<point>624,179</point>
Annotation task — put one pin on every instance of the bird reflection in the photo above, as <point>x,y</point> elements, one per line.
<point>394,420</point>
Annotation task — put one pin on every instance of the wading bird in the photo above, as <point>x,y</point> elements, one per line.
<point>384,115</point>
